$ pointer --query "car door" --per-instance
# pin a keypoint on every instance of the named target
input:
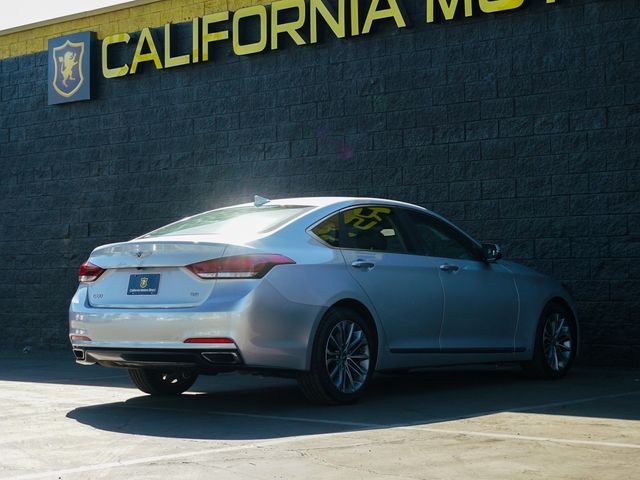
(404, 288)
(481, 299)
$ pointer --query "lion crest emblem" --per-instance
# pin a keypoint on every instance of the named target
(68, 58)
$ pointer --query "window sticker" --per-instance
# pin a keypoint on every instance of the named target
(365, 218)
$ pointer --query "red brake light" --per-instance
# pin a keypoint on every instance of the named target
(89, 272)
(241, 266)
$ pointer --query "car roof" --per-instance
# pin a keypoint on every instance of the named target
(338, 202)
(321, 206)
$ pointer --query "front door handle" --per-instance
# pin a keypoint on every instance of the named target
(449, 268)
(362, 264)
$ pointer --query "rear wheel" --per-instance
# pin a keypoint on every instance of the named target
(158, 382)
(342, 360)
(555, 347)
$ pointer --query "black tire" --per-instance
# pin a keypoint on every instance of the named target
(162, 383)
(556, 344)
(338, 376)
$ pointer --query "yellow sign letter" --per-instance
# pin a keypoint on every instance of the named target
(170, 61)
(289, 27)
(448, 9)
(392, 12)
(355, 18)
(261, 12)
(338, 27)
(490, 6)
(116, 71)
(215, 36)
(195, 40)
(152, 56)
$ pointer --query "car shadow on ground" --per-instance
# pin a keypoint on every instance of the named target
(235, 407)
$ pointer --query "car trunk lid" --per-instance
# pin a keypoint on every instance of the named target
(152, 274)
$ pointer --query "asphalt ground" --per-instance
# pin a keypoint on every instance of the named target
(64, 421)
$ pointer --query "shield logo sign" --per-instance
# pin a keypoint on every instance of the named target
(70, 68)
(144, 281)
(67, 77)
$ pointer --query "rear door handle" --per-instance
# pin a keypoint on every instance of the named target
(449, 268)
(362, 264)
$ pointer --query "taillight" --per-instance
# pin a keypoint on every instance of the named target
(241, 266)
(89, 272)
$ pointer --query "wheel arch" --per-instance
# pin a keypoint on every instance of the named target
(353, 304)
(361, 308)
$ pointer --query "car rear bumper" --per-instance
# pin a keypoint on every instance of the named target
(268, 330)
(212, 359)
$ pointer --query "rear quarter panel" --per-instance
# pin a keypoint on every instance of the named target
(318, 280)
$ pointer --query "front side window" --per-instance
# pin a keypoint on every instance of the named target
(233, 221)
(371, 228)
(440, 240)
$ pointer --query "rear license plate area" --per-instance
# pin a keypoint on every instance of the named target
(143, 284)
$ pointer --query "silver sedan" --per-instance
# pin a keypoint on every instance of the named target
(326, 290)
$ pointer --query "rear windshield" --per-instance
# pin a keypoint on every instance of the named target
(233, 221)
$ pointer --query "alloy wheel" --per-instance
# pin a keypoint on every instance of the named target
(557, 342)
(347, 356)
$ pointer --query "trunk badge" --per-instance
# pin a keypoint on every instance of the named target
(140, 254)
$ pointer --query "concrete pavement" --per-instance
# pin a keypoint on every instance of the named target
(63, 421)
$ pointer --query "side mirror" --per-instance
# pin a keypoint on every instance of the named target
(491, 252)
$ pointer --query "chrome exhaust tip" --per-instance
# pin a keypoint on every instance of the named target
(79, 354)
(222, 358)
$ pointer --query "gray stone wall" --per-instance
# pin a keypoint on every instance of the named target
(522, 127)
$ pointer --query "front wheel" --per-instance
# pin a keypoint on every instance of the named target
(161, 383)
(342, 360)
(556, 343)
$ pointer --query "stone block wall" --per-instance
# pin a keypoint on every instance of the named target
(522, 127)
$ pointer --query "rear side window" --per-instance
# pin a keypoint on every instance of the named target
(363, 228)
(233, 221)
(371, 228)
(329, 231)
